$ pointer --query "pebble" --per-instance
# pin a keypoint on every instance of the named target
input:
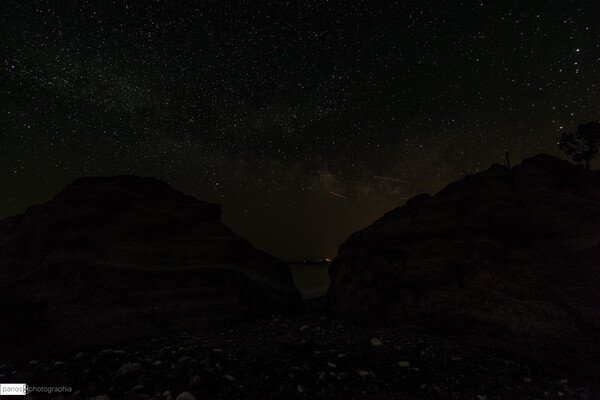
(185, 396)
(331, 365)
(229, 378)
(301, 388)
(363, 374)
(376, 342)
(128, 368)
(195, 381)
(304, 327)
(404, 364)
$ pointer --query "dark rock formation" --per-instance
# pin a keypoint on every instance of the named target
(114, 259)
(508, 258)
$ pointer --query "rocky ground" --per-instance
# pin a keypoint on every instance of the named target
(305, 356)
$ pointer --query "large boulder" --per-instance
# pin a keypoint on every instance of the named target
(507, 258)
(110, 260)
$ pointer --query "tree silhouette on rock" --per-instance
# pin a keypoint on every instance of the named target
(582, 145)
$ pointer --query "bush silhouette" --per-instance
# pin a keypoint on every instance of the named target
(582, 145)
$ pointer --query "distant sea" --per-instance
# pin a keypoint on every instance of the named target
(311, 279)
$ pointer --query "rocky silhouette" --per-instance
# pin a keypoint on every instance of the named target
(110, 260)
(507, 258)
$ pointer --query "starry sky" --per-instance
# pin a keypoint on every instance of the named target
(305, 120)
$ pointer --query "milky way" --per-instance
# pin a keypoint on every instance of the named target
(305, 120)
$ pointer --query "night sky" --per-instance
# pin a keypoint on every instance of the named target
(305, 120)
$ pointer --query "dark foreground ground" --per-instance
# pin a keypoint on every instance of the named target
(300, 357)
